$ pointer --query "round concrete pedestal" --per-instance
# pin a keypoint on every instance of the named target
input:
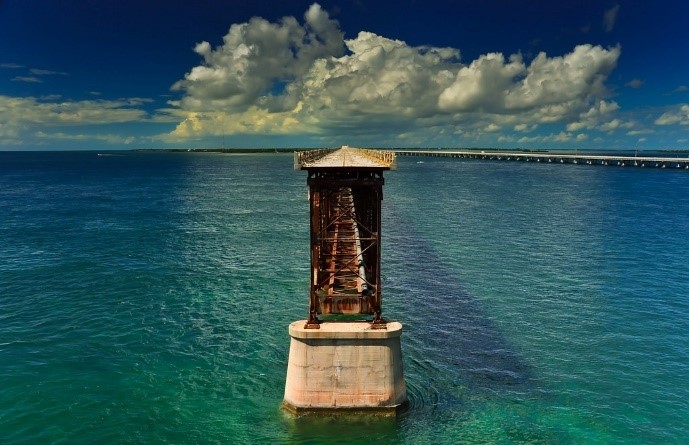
(345, 366)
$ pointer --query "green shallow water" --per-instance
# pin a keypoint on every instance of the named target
(145, 297)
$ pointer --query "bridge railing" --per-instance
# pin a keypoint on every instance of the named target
(383, 156)
(309, 156)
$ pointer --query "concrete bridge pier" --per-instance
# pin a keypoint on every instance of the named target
(345, 367)
(346, 357)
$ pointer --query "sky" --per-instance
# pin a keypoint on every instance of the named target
(122, 74)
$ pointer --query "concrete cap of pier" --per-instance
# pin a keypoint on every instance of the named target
(344, 330)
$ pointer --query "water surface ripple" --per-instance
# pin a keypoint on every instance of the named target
(145, 298)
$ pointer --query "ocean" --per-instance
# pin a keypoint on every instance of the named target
(145, 298)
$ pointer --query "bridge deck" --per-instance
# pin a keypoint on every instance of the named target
(345, 157)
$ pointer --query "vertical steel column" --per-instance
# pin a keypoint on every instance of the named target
(316, 247)
(378, 308)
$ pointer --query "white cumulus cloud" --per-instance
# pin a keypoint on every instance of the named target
(306, 78)
(19, 116)
(680, 115)
(599, 114)
(257, 57)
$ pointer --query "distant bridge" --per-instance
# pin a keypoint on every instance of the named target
(634, 161)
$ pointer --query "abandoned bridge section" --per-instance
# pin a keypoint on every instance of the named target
(345, 194)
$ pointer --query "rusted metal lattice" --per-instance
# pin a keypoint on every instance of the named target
(345, 195)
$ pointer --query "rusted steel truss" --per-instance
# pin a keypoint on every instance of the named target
(345, 243)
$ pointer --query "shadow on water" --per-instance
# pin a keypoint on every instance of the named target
(452, 347)
(455, 355)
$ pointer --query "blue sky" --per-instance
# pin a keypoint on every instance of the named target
(119, 74)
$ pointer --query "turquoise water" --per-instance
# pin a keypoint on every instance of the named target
(145, 297)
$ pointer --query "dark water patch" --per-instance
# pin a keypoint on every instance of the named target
(452, 337)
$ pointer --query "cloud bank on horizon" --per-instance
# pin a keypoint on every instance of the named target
(302, 80)
(287, 77)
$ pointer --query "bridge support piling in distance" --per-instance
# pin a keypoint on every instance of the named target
(579, 158)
